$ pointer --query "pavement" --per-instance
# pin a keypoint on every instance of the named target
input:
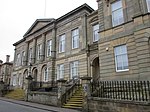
(38, 106)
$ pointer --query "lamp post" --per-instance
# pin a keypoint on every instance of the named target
(29, 77)
(29, 81)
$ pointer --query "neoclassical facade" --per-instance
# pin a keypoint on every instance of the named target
(111, 43)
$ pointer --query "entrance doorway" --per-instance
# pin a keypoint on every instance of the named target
(35, 74)
(95, 69)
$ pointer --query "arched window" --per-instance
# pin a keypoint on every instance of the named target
(45, 74)
(19, 80)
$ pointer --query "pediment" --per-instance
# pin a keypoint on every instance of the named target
(37, 25)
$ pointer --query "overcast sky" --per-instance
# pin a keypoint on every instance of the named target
(16, 17)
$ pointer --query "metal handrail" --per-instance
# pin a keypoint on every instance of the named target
(70, 91)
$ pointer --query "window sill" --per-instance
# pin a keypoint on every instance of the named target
(122, 70)
(95, 41)
(61, 52)
(75, 48)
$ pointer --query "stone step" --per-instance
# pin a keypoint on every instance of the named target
(72, 107)
(75, 105)
(74, 102)
(78, 96)
(74, 98)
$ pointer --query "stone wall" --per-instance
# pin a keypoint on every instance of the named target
(43, 98)
(108, 105)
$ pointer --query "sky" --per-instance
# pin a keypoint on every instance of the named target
(16, 17)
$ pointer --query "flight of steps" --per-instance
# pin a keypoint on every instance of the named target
(76, 101)
(17, 94)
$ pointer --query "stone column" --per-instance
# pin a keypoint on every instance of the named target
(61, 91)
(88, 60)
(84, 27)
(43, 47)
(86, 91)
(101, 14)
(53, 43)
(34, 50)
(14, 64)
(26, 54)
(137, 8)
(53, 55)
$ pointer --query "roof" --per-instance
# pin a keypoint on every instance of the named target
(7, 63)
(18, 42)
(46, 22)
(84, 6)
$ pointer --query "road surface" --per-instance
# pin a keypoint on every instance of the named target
(12, 107)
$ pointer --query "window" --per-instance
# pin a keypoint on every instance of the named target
(49, 47)
(121, 58)
(148, 5)
(60, 71)
(30, 55)
(19, 80)
(117, 13)
(18, 60)
(95, 32)
(75, 38)
(39, 51)
(62, 43)
(23, 57)
(74, 69)
(45, 74)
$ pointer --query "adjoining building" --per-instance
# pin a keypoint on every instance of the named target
(6, 70)
(124, 44)
(111, 43)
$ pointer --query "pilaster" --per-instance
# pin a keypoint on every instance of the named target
(34, 50)
(84, 27)
(43, 47)
(53, 54)
(26, 53)
(137, 8)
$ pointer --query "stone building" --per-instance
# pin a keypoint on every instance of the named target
(111, 43)
(6, 70)
(124, 45)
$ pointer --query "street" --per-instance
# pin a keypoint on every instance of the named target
(11, 107)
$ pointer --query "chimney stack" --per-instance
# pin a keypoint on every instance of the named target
(7, 58)
(1, 62)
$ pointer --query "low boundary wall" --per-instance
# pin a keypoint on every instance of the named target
(96, 104)
(48, 98)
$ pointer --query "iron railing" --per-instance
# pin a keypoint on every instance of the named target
(125, 90)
